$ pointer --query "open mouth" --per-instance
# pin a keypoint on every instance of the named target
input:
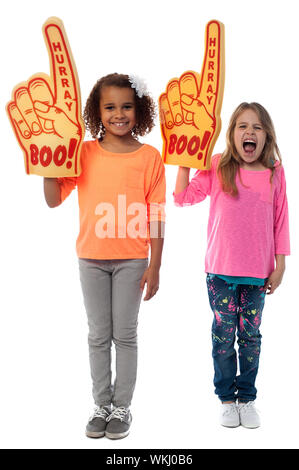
(249, 146)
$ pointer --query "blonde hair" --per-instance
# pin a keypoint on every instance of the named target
(229, 163)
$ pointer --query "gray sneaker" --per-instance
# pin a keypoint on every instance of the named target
(97, 422)
(118, 423)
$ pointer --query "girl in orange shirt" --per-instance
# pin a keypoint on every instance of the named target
(121, 177)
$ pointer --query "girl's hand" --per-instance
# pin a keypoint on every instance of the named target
(151, 278)
(273, 281)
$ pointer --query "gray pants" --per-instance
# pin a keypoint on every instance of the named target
(111, 292)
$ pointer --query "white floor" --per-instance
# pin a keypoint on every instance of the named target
(46, 388)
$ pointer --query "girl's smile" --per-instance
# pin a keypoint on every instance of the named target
(117, 110)
(249, 138)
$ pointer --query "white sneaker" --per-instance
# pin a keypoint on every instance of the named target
(249, 417)
(229, 416)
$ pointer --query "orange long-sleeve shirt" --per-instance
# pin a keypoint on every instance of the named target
(119, 194)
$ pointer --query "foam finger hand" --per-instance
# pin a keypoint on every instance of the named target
(190, 108)
(45, 111)
(196, 109)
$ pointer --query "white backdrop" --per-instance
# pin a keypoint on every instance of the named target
(45, 397)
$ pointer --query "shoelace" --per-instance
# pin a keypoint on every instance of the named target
(118, 413)
(230, 409)
(99, 412)
(247, 407)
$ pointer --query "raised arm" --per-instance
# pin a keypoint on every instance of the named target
(52, 192)
(182, 179)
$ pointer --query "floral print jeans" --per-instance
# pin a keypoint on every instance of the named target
(236, 307)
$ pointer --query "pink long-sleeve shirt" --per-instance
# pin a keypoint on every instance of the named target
(246, 232)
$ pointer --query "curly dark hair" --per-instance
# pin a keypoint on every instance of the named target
(145, 107)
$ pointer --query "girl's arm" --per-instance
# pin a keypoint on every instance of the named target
(275, 278)
(281, 237)
(151, 274)
(52, 192)
(58, 189)
(280, 263)
(182, 179)
(191, 192)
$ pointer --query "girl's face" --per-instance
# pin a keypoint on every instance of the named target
(117, 110)
(249, 137)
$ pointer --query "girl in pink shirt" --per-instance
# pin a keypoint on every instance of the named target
(248, 238)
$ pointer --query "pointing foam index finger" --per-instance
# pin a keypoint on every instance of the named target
(212, 73)
(63, 69)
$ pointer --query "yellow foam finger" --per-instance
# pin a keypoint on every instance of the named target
(173, 96)
(191, 144)
(212, 74)
(49, 108)
(165, 112)
(25, 106)
(20, 127)
(188, 87)
(63, 69)
(40, 91)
